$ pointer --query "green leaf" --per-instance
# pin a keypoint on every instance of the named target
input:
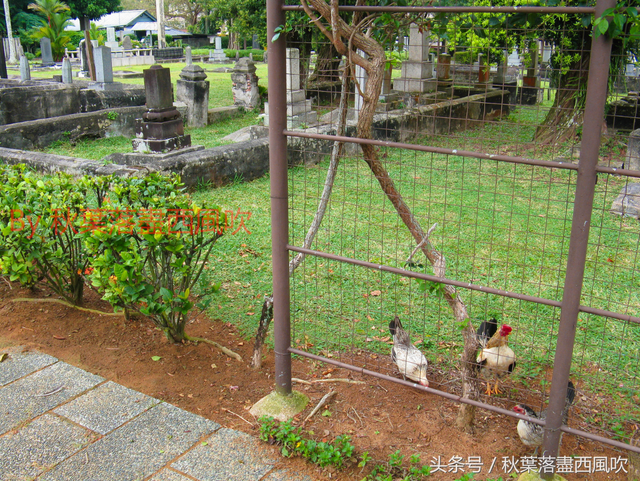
(155, 358)
(586, 20)
(326, 413)
(603, 26)
(120, 272)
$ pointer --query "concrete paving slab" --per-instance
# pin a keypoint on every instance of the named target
(40, 392)
(40, 445)
(106, 407)
(137, 449)
(19, 364)
(227, 455)
(168, 475)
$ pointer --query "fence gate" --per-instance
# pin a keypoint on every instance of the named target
(489, 188)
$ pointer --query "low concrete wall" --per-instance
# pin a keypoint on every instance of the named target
(21, 103)
(439, 118)
(38, 134)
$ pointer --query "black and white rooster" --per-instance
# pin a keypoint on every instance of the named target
(410, 361)
(532, 434)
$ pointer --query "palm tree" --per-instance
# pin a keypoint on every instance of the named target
(47, 8)
(57, 18)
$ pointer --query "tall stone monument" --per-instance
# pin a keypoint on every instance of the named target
(111, 42)
(161, 128)
(45, 51)
(218, 55)
(417, 71)
(299, 113)
(193, 90)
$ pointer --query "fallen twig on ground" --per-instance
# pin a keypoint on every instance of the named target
(323, 401)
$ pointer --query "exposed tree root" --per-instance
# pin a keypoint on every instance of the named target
(68, 304)
(226, 351)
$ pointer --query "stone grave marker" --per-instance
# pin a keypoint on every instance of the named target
(254, 42)
(126, 43)
(417, 71)
(161, 128)
(188, 56)
(67, 77)
(111, 42)
(193, 89)
(25, 72)
(299, 112)
(45, 50)
(84, 63)
(245, 84)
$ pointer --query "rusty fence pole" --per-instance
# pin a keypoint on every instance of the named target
(583, 206)
(276, 52)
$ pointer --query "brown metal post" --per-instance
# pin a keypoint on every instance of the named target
(279, 195)
(583, 206)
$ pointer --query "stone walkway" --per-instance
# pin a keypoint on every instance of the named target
(60, 423)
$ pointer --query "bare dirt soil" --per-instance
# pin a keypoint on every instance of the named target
(381, 417)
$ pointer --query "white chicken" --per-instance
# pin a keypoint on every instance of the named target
(410, 361)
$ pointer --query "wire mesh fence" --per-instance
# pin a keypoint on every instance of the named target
(480, 123)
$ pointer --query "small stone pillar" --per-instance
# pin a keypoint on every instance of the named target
(245, 84)
(193, 90)
(361, 79)
(25, 72)
(67, 76)
(161, 128)
(84, 63)
(45, 51)
(443, 68)
(188, 56)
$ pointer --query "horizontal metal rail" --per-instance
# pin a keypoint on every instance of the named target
(461, 153)
(418, 9)
(460, 399)
(463, 285)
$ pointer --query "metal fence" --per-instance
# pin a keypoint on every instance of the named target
(521, 204)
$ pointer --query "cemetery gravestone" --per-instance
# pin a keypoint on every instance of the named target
(45, 50)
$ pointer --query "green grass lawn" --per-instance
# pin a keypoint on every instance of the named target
(220, 94)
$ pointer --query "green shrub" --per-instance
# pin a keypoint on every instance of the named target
(141, 242)
(258, 55)
(150, 247)
(40, 223)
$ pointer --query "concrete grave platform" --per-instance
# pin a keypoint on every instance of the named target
(62, 423)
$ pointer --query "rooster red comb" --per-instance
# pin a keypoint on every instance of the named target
(505, 330)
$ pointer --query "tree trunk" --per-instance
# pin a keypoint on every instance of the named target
(89, 46)
(12, 45)
(326, 69)
(566, 114)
